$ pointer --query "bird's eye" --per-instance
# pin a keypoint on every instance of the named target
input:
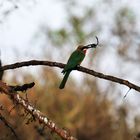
(84, 48)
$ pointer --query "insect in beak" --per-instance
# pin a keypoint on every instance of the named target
(92, 45)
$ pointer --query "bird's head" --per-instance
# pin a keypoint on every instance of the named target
(82, 48)
(85, 47)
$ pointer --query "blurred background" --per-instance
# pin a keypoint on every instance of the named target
(89, 108)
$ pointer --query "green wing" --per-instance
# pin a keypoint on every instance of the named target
(75, 59)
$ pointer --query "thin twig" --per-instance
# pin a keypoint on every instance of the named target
(8, 125)
(126, 93)
(79, 68)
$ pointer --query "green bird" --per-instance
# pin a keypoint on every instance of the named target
(74, 60)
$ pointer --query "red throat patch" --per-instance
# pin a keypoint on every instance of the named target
(85, 50)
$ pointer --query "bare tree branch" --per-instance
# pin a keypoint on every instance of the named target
(79, 68)
(34, 112)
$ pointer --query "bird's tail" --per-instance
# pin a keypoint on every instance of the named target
(62, 85)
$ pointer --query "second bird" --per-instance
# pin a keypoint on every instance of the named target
(74, 60)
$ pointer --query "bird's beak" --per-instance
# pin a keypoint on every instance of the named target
(92, 45)
(86, 47)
